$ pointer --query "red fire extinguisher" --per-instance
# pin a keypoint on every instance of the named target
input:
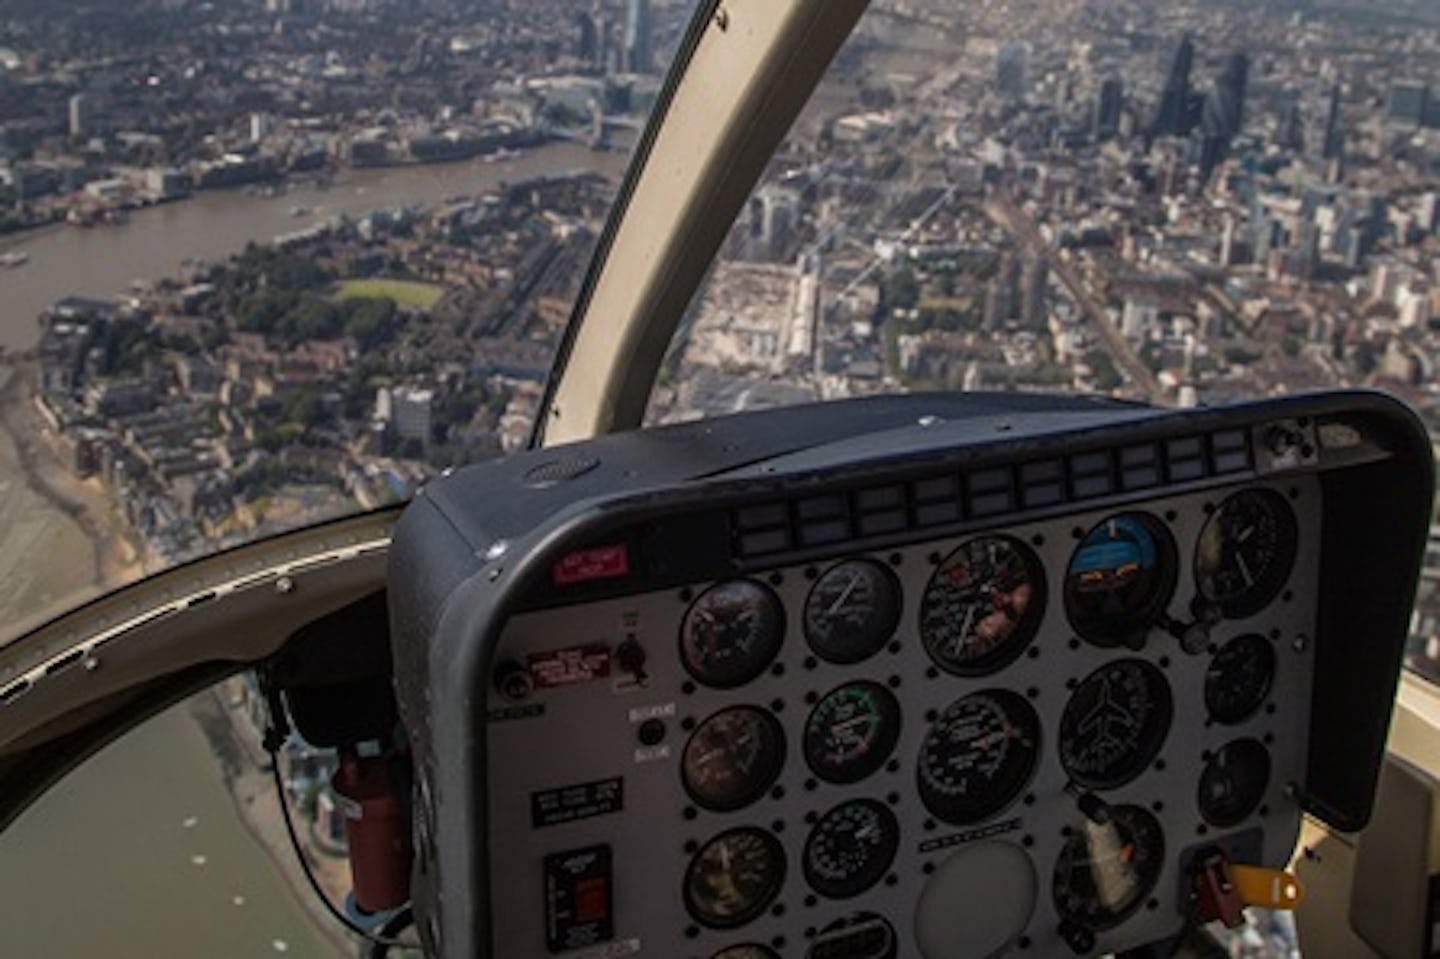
(376, 829)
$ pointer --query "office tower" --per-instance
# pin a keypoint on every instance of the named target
(82, 115)
(586, 37)
(1291, 134)
(1010, 71)
(1229, 93)
(1034, 307)
(637, 36)
(1173, 115)
(1109, 101)
(1332, 147)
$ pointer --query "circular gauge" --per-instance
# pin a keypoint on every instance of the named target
(1120, 579)
(1105, 871)
(1234, 782)
(748, 951)
(734, 877)
(852, 611)
(732, 758)
(978, 756)
(851, 732)
(850, 848)
(983, 605)
(731, 633)
(1239, 678)
(1115, 723)
(1246, 551)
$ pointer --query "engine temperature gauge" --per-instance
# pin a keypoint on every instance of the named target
(851, 732)
(850, 848)
(731, 633)
(852, 611)
(734, 877)
(732, 758)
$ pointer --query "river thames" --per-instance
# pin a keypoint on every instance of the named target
(141, 853)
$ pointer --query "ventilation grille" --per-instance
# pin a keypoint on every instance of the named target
(809, 522)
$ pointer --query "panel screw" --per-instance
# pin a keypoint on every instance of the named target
(1300, 643)
(90, 663)
(722, 19)
(284, 586)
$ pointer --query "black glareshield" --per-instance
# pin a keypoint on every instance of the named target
(1171, 583)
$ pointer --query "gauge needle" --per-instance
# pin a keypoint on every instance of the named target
(1244, 569)
(844, 594)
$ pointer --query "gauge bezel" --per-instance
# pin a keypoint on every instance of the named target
(891, 717)
(854, 885)
(1263, 592)
(1026, 629)
(1149, 742)
(1272, 662)
(1136, 623)
(764, 596)
(1248, 749)
(1104, 918)
(775, 760)
(774, 849)
(892, 591)
(746, 950)
(1017, 710)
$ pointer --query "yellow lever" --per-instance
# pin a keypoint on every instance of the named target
(1266, 888)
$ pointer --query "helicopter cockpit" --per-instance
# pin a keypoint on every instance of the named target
(926, 676)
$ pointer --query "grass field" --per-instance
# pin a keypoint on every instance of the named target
(407, 294)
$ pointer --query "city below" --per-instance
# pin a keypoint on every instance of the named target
(1179, 203)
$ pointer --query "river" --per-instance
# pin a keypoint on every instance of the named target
(140, 852)
(105, 260)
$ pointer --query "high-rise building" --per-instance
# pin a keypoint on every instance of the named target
(1291, 133)
(82, 115)
(1224, 113)
(637, 36)
(1173, 115)
(1109, 102)
(586, 37)
(1407, 103)
(1010, 71)
(1034, 306)
(1332, 147)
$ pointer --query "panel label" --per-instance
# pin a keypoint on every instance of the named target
(585, 565)
(567, 667)
(573, 803)
(960, 838)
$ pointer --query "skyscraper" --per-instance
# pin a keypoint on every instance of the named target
(1010, 71)
(1224, 113)
(1173, 113)
(1034, 306)
(1109, 101)
(1332, 147)
(82, 115)
(637, 36)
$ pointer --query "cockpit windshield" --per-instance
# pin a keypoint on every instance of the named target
(265, 264)
(269, 263)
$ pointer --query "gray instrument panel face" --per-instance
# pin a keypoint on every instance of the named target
(593, 829)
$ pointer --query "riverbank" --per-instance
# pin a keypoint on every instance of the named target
(244, 766)
(115, 557)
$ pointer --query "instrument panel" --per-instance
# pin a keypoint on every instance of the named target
(1012, 738)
